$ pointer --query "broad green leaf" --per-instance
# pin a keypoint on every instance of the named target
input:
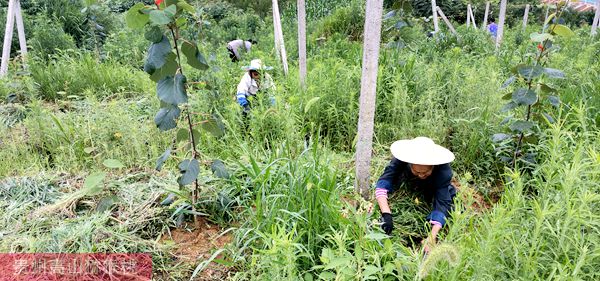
(219, 170)
(161, 160)
(183, 135)
(521, 126)
(214, 126)
(509, 106)
(548, 117)
(196, 135)
(89, 150)
(507, 96)
(134, 18)
(113, 164)
(376, 236)
(540, 37)
(91, 185)
(181, 22)
(154, 34)
(550, 17)
(326, 275)
(400, 25)
(167, 116)
(194, 58)
(338, 262)
(186, 7)
(171, 2)
(106, 203)
(530, 72)
(508, 81)
(310, 103)
(554, 73)
(547, 89)
(157, 55)
(308, 277)
(189, 170)
(370, 270)
(158, 17)
(554, 101)
(395, 45)
(169, 68)
(561, 30)
(389, 14)
(524, 96)
(170, 11)
(171, 89)
(500, 137)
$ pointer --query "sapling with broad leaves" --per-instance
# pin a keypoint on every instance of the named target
(161, 24)
(533, 93)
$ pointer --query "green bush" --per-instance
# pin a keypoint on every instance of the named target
(127, 47)
(72, 76)
(347, 21)
(49, 39)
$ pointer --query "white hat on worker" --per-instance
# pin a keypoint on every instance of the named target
(422, 151)
(256, 64)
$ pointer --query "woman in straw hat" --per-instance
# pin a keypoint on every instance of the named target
(252, 82)
(425, 165)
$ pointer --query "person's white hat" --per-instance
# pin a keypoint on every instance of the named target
(422, 151)
(256, 64)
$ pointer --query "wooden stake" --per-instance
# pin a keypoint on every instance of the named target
(13, 13)
(596, 21)
(468, 16)
(501, 23)
(436, 26)
(302, 42)
(485, 16)
(368, 88)
(446, 20)
(279, 33)
(472, 16)
(525, 16)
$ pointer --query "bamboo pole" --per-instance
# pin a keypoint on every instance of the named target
(302, 42)
(596, 19)
(485, 16)
(8, 35)
(368, 88)
(468, 16)
(472, 16)
(501, 23)
(279, 33)
(436, 26)
(446, 20)
(525, 16)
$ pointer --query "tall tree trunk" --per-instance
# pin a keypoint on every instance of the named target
(485, 16)
(501, 23)
(279, 36)
(436, 26)
(368, 88)
(302, 42)
(596, 19)
(525, 16)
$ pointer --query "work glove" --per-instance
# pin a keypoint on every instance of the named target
(387, 223)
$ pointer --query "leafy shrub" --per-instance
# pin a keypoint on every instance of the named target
(347, 21)
(66, 76)
(126, 47)
(120, 6)
(49, 38)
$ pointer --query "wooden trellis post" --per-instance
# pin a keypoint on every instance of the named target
(279, 43)
(470, 11)
(501, 23)
(525, 16)
(596, 19)
(485, 16)
(436, 26)
(13, 14)
(446, 20)
(302, 42)
(368, 88)
(468, 16)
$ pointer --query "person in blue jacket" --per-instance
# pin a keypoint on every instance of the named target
(421, 163)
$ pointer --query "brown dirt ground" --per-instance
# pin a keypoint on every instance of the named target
(479, 204)
(195, 246)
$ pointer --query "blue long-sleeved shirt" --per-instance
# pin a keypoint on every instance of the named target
(437, 185)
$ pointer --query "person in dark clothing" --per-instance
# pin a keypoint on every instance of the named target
(421, 163)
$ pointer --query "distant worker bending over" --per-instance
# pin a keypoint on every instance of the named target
(235, 48)
(254, 80)
(425, 165)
